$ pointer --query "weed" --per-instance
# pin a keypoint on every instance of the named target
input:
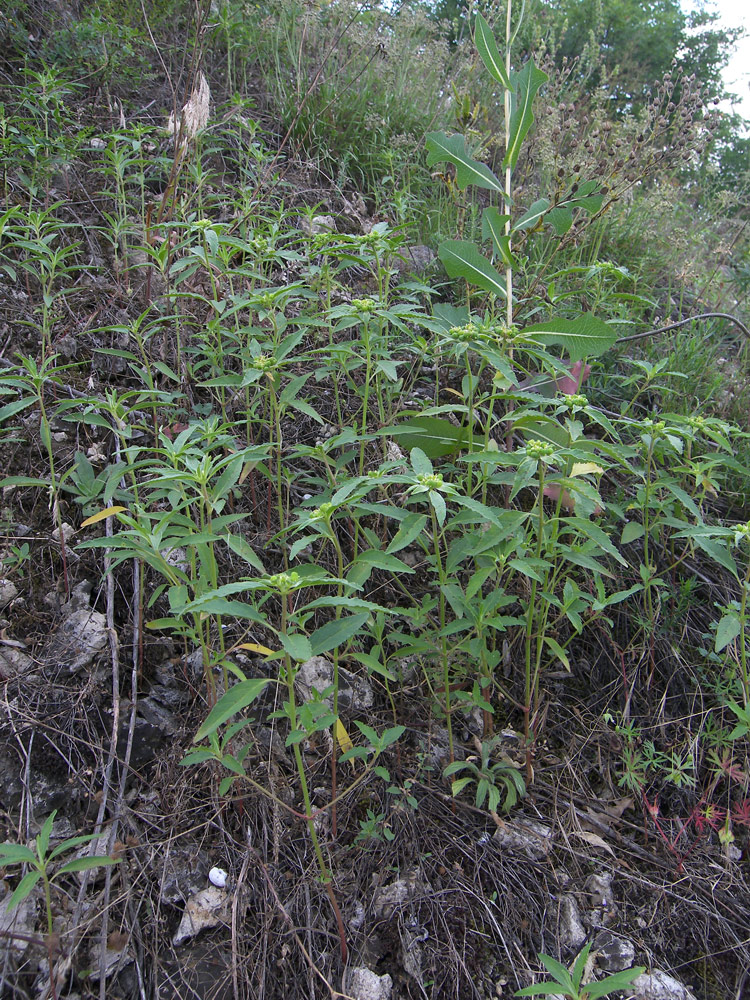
(569, 983)
(40, 860)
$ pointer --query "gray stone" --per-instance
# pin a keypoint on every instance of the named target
(21, 919)
(412, 952)
(78, 639)
(603, 907)
(415, 259)
(182, 872)
(208, 908)
(657, 985)
(317, 673)
(524, 836)
(363, 984)
(8, 590)
(318, 224)
(14, 663)
(387, 897)
(614, 953)
(571, 930)
(156, 714)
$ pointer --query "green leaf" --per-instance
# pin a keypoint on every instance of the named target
(222, 606)
(558, 651)
(23, 888)
(493, 227)
(390, 736)
(11, 409)
(368, 732)
(234, 700)
(458, 785)
(23, 481)
(618, 981)
(436, 436)
(410, 528)
(544, 989)
(438, 505)
(560, 218)
(16, 854)
(197, 757)
(83, 864)
(584, 336)
(42, 840)
(442, 148)
(487, 49)
(245, 551)
(532, 215)
(632, 531)
(542, 429)
(727, 631)
(526, 83)
(420, 462)
(337, 632)
(71, 842)
(297, 645)
(558, 970)
(374, 666)
(718, 551)
(461, 259)
(382, 560)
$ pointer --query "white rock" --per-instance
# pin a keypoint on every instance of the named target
(614, 953)
(77, 640)
(364, 984)
(211, 907)
(67, 532)
(601, 895)
(386, 897)
(525, 837)
(357, 918)
(659, 985)
(317, 673)
(8, 590)
(21, 918)
(114, 959)
(14, 662)
(572, 932)
(323, 224)
(218, 877)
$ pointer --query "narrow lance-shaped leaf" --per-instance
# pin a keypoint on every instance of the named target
(487, 49)
(442, 148)
(461, 259)
(493, 226)
(337, 632)
(235, 699)
(584, 336)
(84, 864)
(526, 84)
(23, 888)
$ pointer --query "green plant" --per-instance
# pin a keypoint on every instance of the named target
(40, 859)
(16, 559)
(494, 780)
(569, 982)
(44, 256)
(32, 381)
